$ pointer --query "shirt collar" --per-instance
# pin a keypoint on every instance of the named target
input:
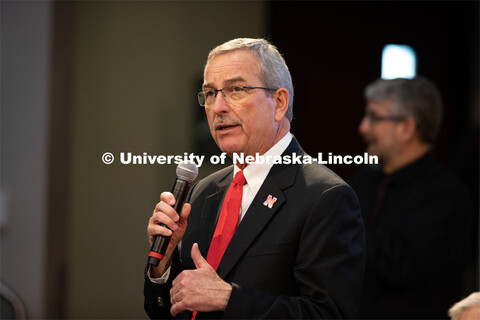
(256, 173)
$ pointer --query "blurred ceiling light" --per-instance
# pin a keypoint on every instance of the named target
(398, 61)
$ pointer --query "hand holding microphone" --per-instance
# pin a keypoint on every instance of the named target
(165, 218)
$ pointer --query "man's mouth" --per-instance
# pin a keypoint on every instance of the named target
(225, 126)
(368, 140)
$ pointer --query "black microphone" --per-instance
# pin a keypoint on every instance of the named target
(186, 173)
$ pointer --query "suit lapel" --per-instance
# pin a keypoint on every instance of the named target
(256, 218)
(259, 213)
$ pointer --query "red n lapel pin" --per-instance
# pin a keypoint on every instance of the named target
(270, 201)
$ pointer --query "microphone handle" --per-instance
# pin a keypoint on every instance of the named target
(160, 243)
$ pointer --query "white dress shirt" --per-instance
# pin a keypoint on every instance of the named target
(256, 173)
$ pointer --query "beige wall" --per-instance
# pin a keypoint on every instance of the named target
(24, 131)
(136, 70)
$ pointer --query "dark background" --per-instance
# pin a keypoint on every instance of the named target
(333, 50)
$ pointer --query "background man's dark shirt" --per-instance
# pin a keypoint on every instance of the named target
(418, 240)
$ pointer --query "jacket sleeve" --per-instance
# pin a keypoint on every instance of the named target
(157, 296)
(328, 268)
(157, 300)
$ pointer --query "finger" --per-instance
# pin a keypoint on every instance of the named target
(154, 230)
(167, 209)
(159, 219)
(174, 289)
(176, 309)
(168, 198)
(175, 299)
(179, 307)
(197, 258)
(169, 212)
(161, 224)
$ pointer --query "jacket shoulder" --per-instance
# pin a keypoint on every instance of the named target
(211, 182)
(318, 175)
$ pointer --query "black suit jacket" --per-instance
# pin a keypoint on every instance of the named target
(302, 258)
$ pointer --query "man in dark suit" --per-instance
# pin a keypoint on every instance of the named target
(298, 248)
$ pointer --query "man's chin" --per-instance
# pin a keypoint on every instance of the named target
(371, 150)
(229, 148)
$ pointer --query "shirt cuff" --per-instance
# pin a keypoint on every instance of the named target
(163, 279)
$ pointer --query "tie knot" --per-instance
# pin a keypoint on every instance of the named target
(239, 178)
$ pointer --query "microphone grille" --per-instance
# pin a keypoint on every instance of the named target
(187, 171)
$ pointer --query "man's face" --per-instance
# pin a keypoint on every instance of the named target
(246, 126)
(382, 136)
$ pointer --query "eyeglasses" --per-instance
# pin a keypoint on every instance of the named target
(373, 118)
(206, 97)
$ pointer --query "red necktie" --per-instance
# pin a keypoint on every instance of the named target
(227, 222)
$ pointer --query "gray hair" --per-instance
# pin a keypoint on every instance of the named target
(274, 72)
(418, 98)
(458, 308)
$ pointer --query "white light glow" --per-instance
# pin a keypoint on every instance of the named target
(398, 61)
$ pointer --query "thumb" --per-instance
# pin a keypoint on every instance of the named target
(197, 258)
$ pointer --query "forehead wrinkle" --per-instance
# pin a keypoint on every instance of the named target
(225, 82)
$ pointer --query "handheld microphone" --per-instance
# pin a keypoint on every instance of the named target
(186, 173)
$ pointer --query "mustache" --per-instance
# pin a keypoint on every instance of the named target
(222, 120)
(367, 139)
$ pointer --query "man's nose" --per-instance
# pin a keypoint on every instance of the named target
(220, 105)
(364, 126)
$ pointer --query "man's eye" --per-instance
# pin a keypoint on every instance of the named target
(209, 93)
(237, 89)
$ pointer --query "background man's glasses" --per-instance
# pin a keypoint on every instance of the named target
(206, 97)
(373, 119)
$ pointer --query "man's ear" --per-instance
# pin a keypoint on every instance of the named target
(408, 129)
(281, 99)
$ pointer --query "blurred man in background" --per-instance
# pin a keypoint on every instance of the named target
(416, 213)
